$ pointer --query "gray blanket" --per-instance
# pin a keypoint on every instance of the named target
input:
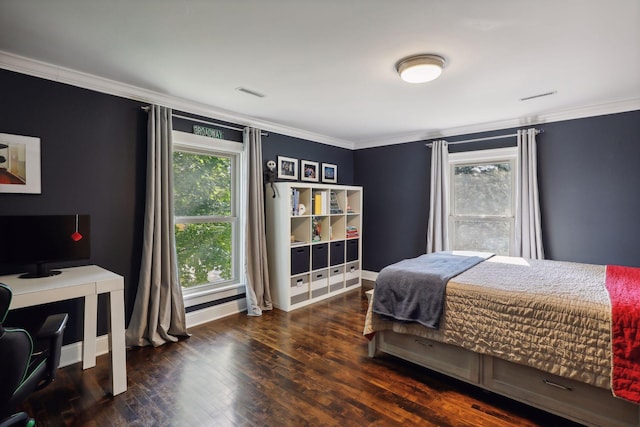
(413, 289)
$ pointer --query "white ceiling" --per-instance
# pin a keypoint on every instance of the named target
(327, 66)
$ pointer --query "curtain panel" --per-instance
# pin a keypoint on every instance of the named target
(438, 228)
(158, 314)
(257, 270)
(528, 239)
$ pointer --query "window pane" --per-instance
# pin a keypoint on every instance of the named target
(478, 235)
(204, 252)
(482, 189)
(202, 184)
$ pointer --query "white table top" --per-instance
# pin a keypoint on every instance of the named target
(73, 282)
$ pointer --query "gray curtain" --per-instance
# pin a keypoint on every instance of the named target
(438, 229)
(158, 314)
(258, 294)
(528, 226)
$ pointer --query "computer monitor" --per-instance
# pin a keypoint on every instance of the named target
(34, 241)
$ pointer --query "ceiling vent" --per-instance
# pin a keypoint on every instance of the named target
(250, 92)
(540, 95)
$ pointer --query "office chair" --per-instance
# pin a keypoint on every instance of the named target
(26, 364)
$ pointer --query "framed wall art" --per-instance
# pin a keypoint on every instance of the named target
(19, 164)
(309, 170)
(287, 168)
(329, 173)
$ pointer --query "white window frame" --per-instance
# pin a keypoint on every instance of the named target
(188, 142)
(496, 155)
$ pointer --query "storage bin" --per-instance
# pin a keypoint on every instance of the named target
(299, 289)
(336, 278)
(336, 252)
(319, 256)
(299, 260)
(352, 250)
(352, 271)
(319, 283)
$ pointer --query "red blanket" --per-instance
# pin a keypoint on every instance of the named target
(623, 284)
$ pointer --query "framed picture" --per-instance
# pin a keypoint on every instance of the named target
(309, 170)
(19, 164)
(329, 173)
(287, 168)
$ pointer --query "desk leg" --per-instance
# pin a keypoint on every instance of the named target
(90, 331)
(117, 342)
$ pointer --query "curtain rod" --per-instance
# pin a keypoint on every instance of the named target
(193, 119)
(487, 138)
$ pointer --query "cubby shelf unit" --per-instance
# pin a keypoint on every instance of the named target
(314, 250)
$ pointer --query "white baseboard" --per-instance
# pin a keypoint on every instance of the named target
(369, 275)
(216, 312)
(72, 353)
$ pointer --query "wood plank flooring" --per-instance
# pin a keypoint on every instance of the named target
(304, 368)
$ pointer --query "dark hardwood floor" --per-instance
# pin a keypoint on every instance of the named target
(304, 368)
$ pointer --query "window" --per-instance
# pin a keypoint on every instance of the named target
(482, 200)
(208, 192)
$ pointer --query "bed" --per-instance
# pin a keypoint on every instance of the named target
(537, 331)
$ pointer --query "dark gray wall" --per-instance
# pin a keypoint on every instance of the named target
(589, 189)
(588, 183)
(93, 162)
(276, 145)
(93, 154)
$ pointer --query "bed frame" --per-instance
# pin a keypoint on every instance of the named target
(570, 399)
(574, 400)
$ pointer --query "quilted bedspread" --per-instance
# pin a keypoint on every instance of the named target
(553, 316)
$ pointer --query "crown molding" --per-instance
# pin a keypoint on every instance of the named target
(614, 107)
(32, 67)
(55, 73)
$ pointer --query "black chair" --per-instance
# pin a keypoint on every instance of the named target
(27, 364)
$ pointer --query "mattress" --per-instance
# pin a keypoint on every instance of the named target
(550, 315)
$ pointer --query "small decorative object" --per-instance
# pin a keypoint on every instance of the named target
(76, 236)
(208, 132)
(334, 205)
(19, 164)
(301, 209)
(271, 175)
(329, 173)
(316, 230)
(287, 168)
(309, 170)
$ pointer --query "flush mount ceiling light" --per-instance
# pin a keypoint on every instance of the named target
(420, 68)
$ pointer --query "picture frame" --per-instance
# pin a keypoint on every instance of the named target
(19, 164)
(287, 168)
(309, 171)
(329, 173)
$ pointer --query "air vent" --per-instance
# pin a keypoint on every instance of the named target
(539, 95)
(250, 92)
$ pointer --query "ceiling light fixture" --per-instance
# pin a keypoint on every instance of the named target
(420, 68)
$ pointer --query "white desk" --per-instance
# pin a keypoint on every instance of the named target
(82, 282)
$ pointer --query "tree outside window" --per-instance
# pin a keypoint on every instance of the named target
(482, 200)
(205, 219)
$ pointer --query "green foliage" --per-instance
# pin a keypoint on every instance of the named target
(202, 187)
(202, 184)
(203, 250)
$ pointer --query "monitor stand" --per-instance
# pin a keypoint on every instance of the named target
(41, 271)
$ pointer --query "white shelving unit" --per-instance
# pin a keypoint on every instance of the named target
(315, 252)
